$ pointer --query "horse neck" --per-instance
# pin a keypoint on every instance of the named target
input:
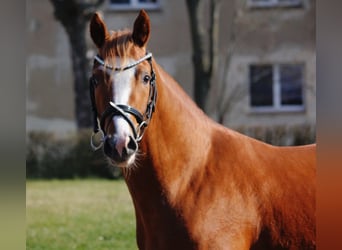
(175, 142)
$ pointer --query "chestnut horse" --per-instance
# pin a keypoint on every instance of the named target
(194, 183)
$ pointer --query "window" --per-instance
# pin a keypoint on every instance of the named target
(276, 87)
(275, 3)
(134, 4)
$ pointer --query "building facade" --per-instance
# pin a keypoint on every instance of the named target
(266, 64)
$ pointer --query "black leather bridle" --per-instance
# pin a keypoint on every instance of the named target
(122, 110)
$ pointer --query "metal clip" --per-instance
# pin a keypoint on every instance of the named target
(141, 130)
(96, 144)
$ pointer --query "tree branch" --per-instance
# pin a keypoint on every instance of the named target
(236, 94)
(86, 5)
(226, 65)
(193, 7)
(213, 33)
(67, 10)
(89, 8)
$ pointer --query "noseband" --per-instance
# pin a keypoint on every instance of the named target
(122, 110)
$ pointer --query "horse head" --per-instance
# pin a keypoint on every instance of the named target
(122, 87)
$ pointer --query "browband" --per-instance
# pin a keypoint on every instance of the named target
(100, 61)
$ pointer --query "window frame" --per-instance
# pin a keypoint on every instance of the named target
(274, 3)
(276, 94)
(133, 5)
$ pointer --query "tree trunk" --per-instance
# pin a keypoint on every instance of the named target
(204, 59)
(200, 84)
(74, 16)
(201, 88)
(80, 65)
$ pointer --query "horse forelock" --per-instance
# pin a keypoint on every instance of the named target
(119, 46)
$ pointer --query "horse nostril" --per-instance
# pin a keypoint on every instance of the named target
(130, 148)
(118, 150)
(108, 146)
(132, 144)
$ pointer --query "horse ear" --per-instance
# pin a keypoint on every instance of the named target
(141, 30)
(98, 30)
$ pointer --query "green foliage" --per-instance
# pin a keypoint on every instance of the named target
(79, 214)
(50, 157)
(71, 157)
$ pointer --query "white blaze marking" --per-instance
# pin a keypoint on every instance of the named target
(121, 83)
(122, 87)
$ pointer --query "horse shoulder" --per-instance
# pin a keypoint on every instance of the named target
(276, 186)
(219, 208)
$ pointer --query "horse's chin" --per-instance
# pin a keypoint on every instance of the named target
(123, 164)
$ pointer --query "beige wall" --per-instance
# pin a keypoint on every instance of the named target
(261, 35)
(49, 80)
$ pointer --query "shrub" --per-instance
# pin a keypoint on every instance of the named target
(282, 135)
(50, 157)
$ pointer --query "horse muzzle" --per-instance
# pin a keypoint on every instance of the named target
(120, 149)
(121, 145)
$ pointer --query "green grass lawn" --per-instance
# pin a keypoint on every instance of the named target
(79, 214)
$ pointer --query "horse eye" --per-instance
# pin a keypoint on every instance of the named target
(146, 79)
